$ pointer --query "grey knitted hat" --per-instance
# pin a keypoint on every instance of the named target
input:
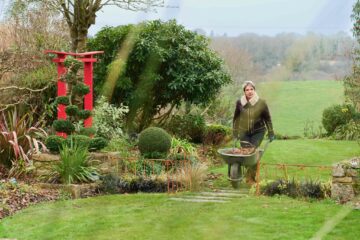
(248, 83)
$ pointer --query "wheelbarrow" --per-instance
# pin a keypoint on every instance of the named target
(237, 162)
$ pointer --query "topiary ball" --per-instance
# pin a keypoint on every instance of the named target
(84, 114)
(72, 110)
(53, 143)
(62, 125)
(154, 139)
(62, 100)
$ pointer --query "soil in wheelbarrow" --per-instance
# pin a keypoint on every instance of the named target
(241, 151)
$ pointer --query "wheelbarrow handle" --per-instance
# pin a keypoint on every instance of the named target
(248, 143)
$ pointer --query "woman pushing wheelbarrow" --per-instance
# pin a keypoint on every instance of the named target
(251, 120)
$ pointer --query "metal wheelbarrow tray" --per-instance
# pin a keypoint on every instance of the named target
(237, 162)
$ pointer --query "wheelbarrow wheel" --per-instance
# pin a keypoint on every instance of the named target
(234, 175)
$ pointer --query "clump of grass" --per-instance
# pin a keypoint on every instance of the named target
(192, 176)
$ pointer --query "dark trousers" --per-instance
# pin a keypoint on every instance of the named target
(255, 139)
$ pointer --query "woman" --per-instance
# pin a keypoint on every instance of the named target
(251, 119)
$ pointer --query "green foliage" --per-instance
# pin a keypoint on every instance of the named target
(190, 126)
(87, 131)
(73, 166)
(216, 134)
(81, 89)
(166, 65)
(63, 126)
(72, 64)
(80, 141)
(348, 131)
(294, 189)
(114, 184)
(352, 82)
(312, 132)
(108, 119)
(54, 143)
(62, 100)
(121, 145)
(72, 110)
(97, 143)
(182, 146)
(154, 140)
(84, 114)
(337, 115)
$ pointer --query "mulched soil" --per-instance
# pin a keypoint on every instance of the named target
(15, 196)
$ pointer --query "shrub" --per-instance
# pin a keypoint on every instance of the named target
(63, 126)
(154, 140)
(19, 138)
(84, 114)
(348, 131)
(72, 110)
(337, 115)
(79, 140)
(87, 131)
(54, 143)
(122, 146)
(216, 134)
(73, 166)
(190, 126)
(97, 143)
(114, 184)
(62, 100)
(81, 89)
(294, 189)
(108, 119)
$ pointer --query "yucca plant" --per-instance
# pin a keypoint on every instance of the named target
(19, 138)
(73, 166)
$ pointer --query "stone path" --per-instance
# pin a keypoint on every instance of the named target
(216, 196)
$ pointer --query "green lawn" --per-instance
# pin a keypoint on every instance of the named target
(293, 103)
(154, 216)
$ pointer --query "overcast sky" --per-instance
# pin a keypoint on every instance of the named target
(233, 17)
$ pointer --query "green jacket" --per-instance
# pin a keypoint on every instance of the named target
(251, 117)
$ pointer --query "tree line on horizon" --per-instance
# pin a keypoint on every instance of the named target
(286, 56)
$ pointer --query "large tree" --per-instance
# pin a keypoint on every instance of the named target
(165, 65)
(352, 82)
(81, 14)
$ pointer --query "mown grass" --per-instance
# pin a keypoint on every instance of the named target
(294, 103)
(152, 216)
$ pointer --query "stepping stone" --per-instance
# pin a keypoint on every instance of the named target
(208, 197)
(197, 200)
(224, 194)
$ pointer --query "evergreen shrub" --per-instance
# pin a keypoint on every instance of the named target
(337, 115)
(216, 134)
(97, 143)
(54, 143)
(72, 110)
(154, 140)
(190, 127)
(63, 126)
(63, 100)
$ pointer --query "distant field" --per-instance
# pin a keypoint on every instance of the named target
(293, 103)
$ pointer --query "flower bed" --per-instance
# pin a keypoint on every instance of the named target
(16, 196)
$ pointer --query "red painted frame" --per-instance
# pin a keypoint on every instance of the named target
(88, 60)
